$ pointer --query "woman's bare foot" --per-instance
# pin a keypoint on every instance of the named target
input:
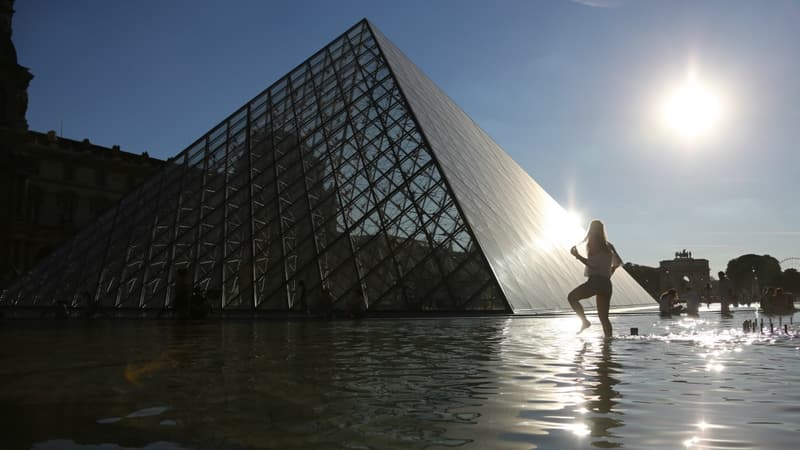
(586, 324)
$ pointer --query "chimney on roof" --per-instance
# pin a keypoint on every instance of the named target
(115, 148)
(51, 136)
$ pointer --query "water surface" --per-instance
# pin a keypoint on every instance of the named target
(472, 383)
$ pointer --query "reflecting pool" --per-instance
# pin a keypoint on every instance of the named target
(473, 383)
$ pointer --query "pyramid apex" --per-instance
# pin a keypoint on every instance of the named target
(368, 23)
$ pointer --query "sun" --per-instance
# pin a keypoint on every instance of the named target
(560, 229)
(692, 110)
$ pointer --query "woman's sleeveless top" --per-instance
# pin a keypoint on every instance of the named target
(600, 265)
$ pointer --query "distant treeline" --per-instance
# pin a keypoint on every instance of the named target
(765, 270)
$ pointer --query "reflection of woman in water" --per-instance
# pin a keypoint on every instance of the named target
(601, 261)
(603, 413)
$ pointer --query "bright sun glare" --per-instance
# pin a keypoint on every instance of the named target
(561, 229)
(692, 110)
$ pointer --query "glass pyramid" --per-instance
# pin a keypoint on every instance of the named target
(352, 180)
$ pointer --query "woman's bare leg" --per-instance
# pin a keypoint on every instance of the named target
(574, 298)
(603, 305)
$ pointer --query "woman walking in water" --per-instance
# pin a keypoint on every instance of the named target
(601, 261)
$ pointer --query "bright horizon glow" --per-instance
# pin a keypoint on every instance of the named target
(692, 110)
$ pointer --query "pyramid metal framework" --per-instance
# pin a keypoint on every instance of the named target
(352, 178)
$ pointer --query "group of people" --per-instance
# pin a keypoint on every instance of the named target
(63, 309)
(773, 300)
(777, 301)
(669, 302)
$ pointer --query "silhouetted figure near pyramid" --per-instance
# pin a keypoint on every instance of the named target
(601, 262)
(692, 299)
(301, 296)
(199, 306)
(92, 307)
(183, 290)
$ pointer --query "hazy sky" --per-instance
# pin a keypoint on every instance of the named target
(571, 89)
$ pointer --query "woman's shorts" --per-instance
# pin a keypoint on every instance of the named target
(598, 286)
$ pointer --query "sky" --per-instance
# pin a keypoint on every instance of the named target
(573, 90)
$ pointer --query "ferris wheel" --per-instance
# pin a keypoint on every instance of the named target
(791, 263)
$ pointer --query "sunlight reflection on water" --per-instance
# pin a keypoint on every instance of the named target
(501, 383)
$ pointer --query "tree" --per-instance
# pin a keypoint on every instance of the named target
(790, 280)
(766, 269)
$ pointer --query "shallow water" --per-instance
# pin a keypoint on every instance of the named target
(474, 383)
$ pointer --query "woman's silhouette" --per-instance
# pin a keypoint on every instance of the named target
(601, 261)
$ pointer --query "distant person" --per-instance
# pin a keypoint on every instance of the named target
(734, 297)
(777, 299)
(725, 294)
(767, 298)
(601, 261)
(358, 308)
(708, 295)
(754, 290)
(327, 303)
(199, 307)
(783, 301)
(665, 301)
(789, 298)
(92, 307)
(183, 292)
(302, 301)
(668, 303)
(61, 309)
(692, 301)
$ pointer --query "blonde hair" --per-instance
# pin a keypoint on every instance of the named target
(596, 240)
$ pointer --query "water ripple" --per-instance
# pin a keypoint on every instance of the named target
(504, 383)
